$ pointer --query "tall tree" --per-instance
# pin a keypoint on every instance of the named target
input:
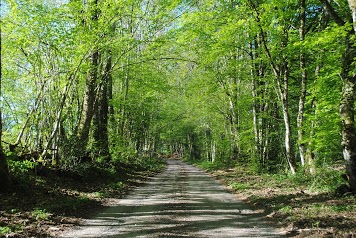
(347, 102)
(4, 172)
(88, 108)
(281, 73)
(303, 87)
(101, 114)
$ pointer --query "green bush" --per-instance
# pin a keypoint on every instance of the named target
(326, 180)
(151, 164)
(40, 214)
(20, 168)
(4, 230)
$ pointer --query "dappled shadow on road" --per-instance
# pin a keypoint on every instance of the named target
(181, 202)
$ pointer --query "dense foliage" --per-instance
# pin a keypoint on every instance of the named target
(261, 82)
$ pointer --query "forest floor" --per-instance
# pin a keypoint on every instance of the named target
(293, 205)
(52, 200)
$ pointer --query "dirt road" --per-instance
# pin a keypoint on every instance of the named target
(182, 201)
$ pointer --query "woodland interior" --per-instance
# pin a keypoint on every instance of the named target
(103, 87)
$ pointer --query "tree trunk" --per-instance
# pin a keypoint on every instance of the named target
(89, 97)
(309, 153)
(303, 90)
(4, 171)
(33, 110)
(254, 73)
(286, 119)
(57, 122)
(347, 112)
(100, 127)
(255, 119)
(88, 100)
(281, 73)
(352, 5)
(346, 109)
(348, 130)
(347, 104)
(125, 90)
(234, 129)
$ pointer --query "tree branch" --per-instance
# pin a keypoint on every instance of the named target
(333, 13)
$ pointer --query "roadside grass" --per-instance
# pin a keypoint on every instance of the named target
(45, 201)
(301, 205)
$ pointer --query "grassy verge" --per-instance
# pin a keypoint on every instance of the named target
(303, 206)
(46, 201)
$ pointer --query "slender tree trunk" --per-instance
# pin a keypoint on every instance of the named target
(309, 153)
(213, 151)
(255, 100)
(57, 122)
(34, 109)
(233, 129)
(284, 92)
(258, 106)
(4, 171)
(286, 119)
(125, 90)
(110, 97)
(254, 118)
(302, 97)
(281, 73)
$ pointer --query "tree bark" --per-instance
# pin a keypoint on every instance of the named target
(347, 102)
(4, 170)
(347, 112)
(88, 100)
(89, 97)
(100, 127)
(352, 5)
(309, 153)
(285, 107)
(255, 119)
(303, 91)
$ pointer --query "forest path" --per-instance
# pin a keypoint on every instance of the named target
(182, 201)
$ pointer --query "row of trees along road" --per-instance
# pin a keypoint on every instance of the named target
(267, 83)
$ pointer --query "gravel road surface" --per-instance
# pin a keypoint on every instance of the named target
(182, 201)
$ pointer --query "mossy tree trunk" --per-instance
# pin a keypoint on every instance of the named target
(347, 103)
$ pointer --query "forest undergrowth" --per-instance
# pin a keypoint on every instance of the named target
(301, 205)
(44, 201)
